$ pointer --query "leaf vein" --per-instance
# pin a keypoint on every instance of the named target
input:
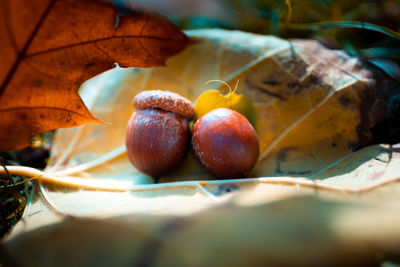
(99, 40)
(43, 107)
(22, 54)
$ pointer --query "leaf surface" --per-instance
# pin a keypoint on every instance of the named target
(296, 130)
(213, 99)
(312, 110)
(305, 190)
(49, 48)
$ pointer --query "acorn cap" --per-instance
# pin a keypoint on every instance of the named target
(164, 100)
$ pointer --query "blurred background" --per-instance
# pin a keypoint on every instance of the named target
(369, 29)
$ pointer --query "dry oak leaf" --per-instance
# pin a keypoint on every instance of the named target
(50, 47)
(353, 210)
(93, 156)
(314, 106)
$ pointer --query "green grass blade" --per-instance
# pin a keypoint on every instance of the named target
(343, 24)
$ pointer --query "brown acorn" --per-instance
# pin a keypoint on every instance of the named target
(225, 143)
(157, 137)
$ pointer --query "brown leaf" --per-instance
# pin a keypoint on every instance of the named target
(51, 47)
(312, 110)
(102, 165)
(345, 209)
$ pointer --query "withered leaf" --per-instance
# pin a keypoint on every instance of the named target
(213, 99)
(346, 205)
(48, 48)
(326, 105)
(314, 106)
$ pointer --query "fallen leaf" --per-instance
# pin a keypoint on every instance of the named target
(213, 99)
(312, 110)
(77, 159)
(346, 205)
(49, 48)
(301, 231)
(297, 129)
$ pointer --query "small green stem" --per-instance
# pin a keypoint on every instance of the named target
(342, 24)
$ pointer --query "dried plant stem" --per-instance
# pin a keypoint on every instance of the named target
(120, 186)
(91, 184)
(226, 84)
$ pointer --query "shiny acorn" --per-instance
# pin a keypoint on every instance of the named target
(157, 137)
(225, 143)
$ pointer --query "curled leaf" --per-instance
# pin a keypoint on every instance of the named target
(213, 99)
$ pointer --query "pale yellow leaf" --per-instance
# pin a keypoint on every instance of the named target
(314, 108)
